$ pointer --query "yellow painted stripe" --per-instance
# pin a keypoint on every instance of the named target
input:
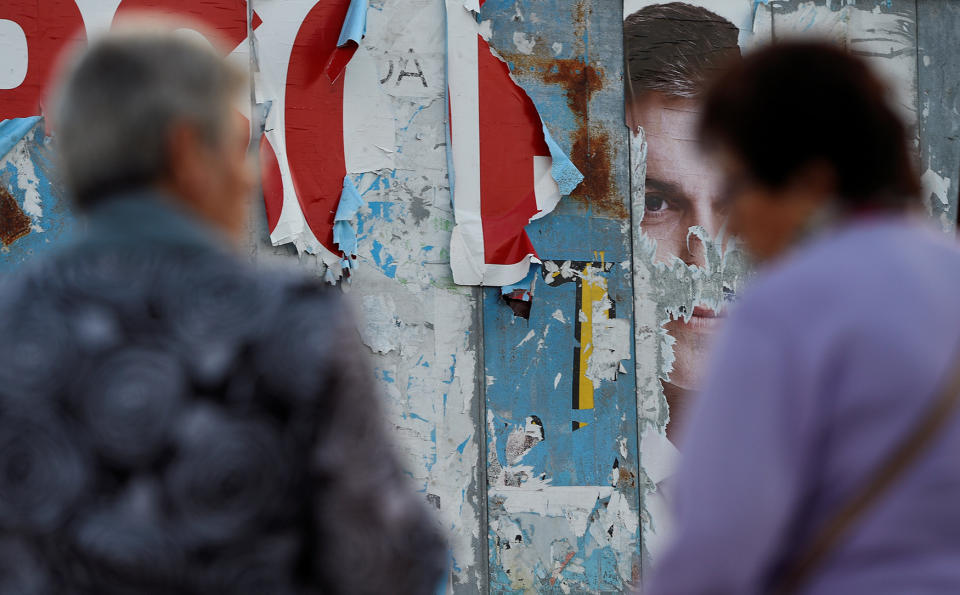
(591, 293)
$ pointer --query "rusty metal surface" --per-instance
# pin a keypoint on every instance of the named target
(578, 76)
(14, 223)
(562, 465)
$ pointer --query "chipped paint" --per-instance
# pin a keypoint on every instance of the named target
(556, 497)
(590, 151)
(938, 85)
(936, 186)
(36, 216)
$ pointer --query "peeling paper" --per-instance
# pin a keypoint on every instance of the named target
(604, 340)
(425, 366)
(611, 345)
(883, 38)
(519, 296)
(524, 42)
(558, 528)
(506, 169)
(545, 534)
(354, 28)
(343, 232)
(564, 172)
(522, 440)
(13, 130)
(666, 291)
(936, 185)
(306, 176)
(369, 126)
(382, 330)
(410, 50)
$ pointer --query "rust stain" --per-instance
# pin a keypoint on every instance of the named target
(14, 223)
(591, 151)
(582, 9)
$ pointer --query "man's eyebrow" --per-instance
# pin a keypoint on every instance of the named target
(670, 188)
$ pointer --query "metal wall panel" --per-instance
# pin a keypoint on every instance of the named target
(561, 443)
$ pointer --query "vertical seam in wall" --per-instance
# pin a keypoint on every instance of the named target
(919, 91)
(773, 25)
(257, 213)
(639, 500)
(483, 487)
(251, 81)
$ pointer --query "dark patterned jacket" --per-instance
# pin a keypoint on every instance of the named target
(174, 421)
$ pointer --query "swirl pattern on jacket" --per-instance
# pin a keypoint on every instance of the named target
(175, 421)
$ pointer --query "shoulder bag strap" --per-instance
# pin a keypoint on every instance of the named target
(906, 452)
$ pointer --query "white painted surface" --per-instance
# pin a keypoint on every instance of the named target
(13, 48)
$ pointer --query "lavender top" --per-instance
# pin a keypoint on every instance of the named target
(828, 360)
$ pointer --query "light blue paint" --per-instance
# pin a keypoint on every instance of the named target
(355, 24)
(453, 370)
(415, 113)
(385, 262)
(463, 444)
(525, 284)
(12, 132)
(343, 233)
(523, 375)
(381, 209)
(380, 183)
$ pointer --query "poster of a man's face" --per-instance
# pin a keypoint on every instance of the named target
(671, 52)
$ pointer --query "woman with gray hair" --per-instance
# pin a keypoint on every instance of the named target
(172, 420)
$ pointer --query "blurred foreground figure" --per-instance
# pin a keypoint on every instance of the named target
(843, 343)
(172, 421)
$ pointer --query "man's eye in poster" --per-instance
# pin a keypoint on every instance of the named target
(672, 51)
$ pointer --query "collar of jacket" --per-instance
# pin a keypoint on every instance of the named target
(144, 218)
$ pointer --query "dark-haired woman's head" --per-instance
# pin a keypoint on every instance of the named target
(802, 128)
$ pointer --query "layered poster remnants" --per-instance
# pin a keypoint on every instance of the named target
(506, 169)
(326, 120)
(687, 270)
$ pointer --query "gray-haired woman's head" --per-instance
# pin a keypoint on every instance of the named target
(122, 98)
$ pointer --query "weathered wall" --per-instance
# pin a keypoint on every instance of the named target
(563, 489)
(528, 437)
(423, 332)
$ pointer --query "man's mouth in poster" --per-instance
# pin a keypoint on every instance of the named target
(705, 318)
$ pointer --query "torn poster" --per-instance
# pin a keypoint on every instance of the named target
(34, 34)
(353, 30)
(315, 112)
(505, 169)
(35, 213)
(519, 296)
(344, 235)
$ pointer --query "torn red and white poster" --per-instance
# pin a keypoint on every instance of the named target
(505, 169)
(324, 93)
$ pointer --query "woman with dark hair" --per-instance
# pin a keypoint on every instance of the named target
(822, 455)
